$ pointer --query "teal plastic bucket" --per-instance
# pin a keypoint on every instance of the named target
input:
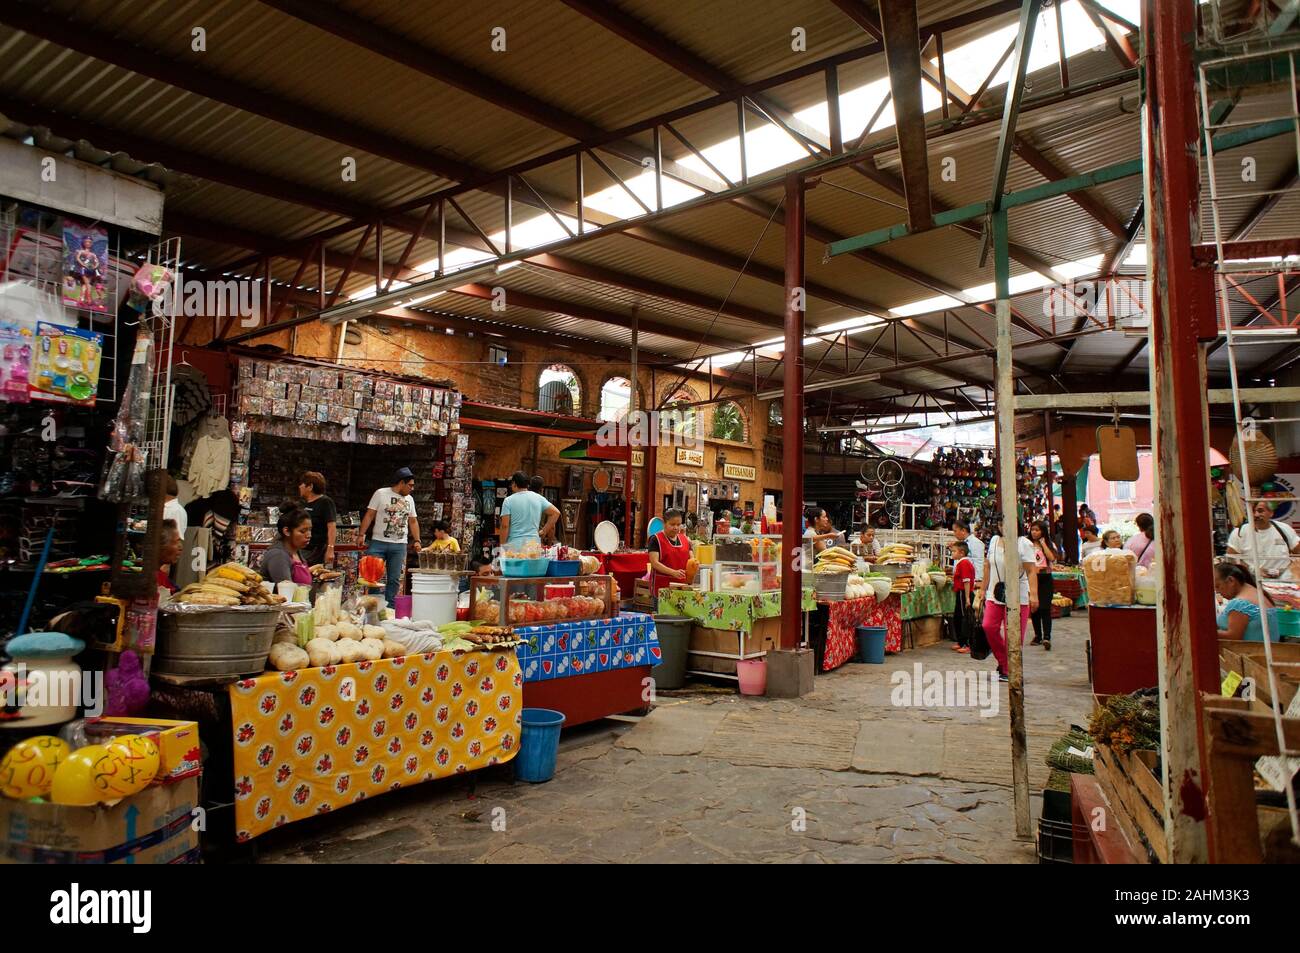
(539, 743)
(871, 644)
(1288, 622)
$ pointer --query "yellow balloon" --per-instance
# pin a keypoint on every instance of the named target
(83, 779)
(29, 767)
(135, 762)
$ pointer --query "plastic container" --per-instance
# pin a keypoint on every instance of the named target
(564, 567)
(752, 675)
(871, 644)
(539, 743)
(524, 567)
(559, 590)
(433, 597)
(402, 607)
(674, 633)
(1288, 622)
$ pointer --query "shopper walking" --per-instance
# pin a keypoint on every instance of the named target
(994, 596)
(1045, 556)
(391, 512)
(324, 518)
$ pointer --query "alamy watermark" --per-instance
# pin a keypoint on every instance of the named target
(21, 687)
(935, 688)
(656, 428)
(213, 298)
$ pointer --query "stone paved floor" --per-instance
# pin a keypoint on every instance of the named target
(841, 775)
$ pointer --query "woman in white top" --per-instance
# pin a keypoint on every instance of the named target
(995, 606)
(1090, 541)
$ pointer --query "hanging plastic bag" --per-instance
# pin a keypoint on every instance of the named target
(127, 459)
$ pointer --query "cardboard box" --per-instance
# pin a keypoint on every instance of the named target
(154, 826)
(711, 663)
(763, 638)
(177, 741)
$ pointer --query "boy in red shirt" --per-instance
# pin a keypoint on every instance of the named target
(963, 584)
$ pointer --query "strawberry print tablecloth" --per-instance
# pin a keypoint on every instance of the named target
(317, 739)
(846, 615)
(583, 646)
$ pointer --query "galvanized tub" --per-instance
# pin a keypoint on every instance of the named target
(218, 642)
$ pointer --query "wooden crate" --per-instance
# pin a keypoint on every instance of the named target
(1136, 797)
(1248, 659)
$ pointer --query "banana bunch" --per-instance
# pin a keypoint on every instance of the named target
(834, 559)
(231, 584)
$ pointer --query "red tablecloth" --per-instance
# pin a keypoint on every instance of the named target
(626, 568)
(847, 615)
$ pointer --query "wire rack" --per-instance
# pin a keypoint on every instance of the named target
(34, 271)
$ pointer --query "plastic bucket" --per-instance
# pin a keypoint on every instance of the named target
(433, 597)
(871, 644)
(1288, 622)
(752, 675)
(674, 633)
(539, 743)
(402, 607)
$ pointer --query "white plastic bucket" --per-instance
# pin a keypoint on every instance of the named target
(433, 597)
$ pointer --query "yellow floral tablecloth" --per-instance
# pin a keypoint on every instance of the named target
(317, 739)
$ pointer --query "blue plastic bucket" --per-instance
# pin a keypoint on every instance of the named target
(871, 644)
(539, 742)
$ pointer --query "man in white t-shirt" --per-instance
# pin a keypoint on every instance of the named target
(995, 607)
(172, 509)
(1276, 541)
(392, 513)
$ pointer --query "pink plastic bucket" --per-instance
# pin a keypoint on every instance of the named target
(402, 607)
(752, 675)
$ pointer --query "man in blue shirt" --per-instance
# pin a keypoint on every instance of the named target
(525, 516)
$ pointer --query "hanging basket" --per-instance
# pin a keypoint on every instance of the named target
(1261, 459)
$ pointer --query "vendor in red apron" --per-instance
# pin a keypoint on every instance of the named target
(670, 550)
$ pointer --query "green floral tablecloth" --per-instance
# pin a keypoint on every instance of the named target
(726, 610)
(927, 600)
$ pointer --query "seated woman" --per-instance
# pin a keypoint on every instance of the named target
(1112, 540)
(283, 560)
(1239, 619)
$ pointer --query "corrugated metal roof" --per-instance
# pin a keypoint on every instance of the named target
(608, 82)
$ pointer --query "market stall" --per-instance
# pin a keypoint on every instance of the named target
(317, 739)
(355, 428)
(579, 654)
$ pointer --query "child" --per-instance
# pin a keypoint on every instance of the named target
(963, 584)
(443, 542)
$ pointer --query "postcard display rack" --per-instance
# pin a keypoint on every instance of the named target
(336, 406)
